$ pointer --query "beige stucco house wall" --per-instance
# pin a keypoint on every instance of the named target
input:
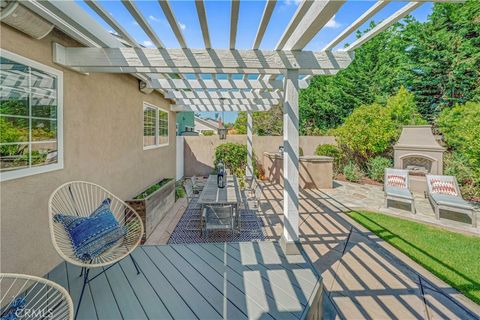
(103, 143)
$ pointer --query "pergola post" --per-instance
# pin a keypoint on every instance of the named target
(249, 172)
(290, 241)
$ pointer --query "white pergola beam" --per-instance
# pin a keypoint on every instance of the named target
(215, 108)
(107, 17)
(221, 102)
(234, 22)
(379, 5)
(267, 14)
(290, 238)
(170, 84)
(254, 94)
(305, 62)
(249, 170)
(138, 16)
(315, 18)
(398, 15)
(294, 22)
(202, 17)
(167, 10)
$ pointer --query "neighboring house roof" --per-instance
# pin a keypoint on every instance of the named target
(203, 124)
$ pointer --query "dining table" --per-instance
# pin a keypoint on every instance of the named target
(213, 195)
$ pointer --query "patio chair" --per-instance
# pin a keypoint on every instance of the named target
(197, 184)
(22, 293)
(192, 197)
(396, 188)
(81, 199)
(444, 195)
(218, 218)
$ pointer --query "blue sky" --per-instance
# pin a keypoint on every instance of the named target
(218, 15)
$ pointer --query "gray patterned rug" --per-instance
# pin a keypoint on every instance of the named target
(188, 228)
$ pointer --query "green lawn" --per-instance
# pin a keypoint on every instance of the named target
(453, 257)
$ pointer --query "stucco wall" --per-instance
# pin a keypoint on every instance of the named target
(199, 151)
(103, 131)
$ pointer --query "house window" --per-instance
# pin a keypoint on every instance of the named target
(155, 126)
(31, 96)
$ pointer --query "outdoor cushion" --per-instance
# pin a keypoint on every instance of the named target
(398, 192)
(395, 180)
(93, 235)
(453, 201)
(443, 187)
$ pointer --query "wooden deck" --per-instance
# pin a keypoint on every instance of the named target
(248, 280)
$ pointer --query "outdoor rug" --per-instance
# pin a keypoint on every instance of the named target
(188, 228)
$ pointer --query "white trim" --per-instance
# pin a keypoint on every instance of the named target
(19, 173)
(157, 117)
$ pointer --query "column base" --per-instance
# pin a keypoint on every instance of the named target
(290, 247)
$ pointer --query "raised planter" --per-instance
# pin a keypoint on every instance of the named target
(152, 207)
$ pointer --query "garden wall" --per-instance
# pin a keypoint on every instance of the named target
(199, 151)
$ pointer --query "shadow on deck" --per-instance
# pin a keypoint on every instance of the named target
(248, 280)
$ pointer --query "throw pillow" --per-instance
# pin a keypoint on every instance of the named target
(398, 181)
(443, 187)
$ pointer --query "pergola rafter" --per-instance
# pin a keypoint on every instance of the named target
(166, 69)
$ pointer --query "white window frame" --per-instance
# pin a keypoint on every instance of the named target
(20, 173)
(157, 117)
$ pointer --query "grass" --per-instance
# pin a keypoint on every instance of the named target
(453, 257)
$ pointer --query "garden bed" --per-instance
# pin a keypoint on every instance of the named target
(153, 203)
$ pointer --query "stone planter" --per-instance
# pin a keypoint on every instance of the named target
(153, 208)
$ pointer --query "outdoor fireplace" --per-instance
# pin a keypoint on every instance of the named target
(418, 151)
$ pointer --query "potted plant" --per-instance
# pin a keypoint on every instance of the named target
(153, 203)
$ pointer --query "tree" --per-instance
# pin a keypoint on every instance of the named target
(265, 123)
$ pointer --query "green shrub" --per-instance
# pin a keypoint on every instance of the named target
(460, 126)
(234, 157)
(352, 172)
(333, 151)
(457, 165)
(376, 168)
(300, 151)
(208, 133)
(179, 192)
(367, 132)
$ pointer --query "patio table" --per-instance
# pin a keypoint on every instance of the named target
(213, 195)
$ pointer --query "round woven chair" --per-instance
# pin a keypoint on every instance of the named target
(81, 198)
(29, 297)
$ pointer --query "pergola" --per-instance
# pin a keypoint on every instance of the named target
(240, 80)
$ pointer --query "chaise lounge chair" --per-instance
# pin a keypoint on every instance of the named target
(396, 187)
(444, 195)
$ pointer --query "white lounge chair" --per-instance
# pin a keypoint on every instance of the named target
(396, 187)
(80, 198)
(44, 298)
(444, 195)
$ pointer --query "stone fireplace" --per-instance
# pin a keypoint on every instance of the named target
(418, 151)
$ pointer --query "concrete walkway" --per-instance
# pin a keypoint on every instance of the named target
(364, 277)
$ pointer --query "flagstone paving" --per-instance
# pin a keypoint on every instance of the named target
(363, 276)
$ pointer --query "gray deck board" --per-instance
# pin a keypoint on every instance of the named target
(203, 283)
(197, 281)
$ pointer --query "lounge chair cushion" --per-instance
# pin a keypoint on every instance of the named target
(93, 235)
(395, 180)
(443, 187)
(398, 192)
(452, 201)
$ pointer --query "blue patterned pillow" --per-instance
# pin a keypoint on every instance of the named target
(93, 235)
(11, 311)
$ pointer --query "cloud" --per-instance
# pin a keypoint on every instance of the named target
(332, 23)
(153, 18)
(147, 43)
(182, 25)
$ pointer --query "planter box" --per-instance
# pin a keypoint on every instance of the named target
(154, 207)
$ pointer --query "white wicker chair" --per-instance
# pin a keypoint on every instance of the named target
(44, 299)
(81, 198)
